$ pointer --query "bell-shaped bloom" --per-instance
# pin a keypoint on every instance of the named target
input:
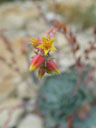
(49, 71)
(46, 45)
(51, 66)
(41, 72)
(36, 62)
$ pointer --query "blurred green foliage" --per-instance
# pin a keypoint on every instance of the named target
(86, 18)
(5, 0)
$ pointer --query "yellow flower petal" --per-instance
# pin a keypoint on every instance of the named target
(41, 46)
(47, 45)
(31, 68)
(53, 48)
(44, 39)
(51, 41)
(46, 51)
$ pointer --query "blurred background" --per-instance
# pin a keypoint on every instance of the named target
(20, 20)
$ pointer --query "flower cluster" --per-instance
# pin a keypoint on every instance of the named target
(42, 60)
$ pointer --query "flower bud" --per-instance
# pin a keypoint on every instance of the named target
(49, 71)
(41, 72)
(50, 65)
(36, 62)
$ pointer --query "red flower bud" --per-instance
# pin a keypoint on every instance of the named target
(36, 62)
(50, 65)
(49, 71)
(41, 72)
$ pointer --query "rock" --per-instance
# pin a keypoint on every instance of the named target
(10, 111)
(10, 80)
(17, 14)
(32, 121)
(25, 90)
(64, 55)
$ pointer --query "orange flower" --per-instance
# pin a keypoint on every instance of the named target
(51, 66)
(47, 45)
(36, 62)
(35, 42)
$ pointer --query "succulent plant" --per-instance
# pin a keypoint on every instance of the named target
(56, 101)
